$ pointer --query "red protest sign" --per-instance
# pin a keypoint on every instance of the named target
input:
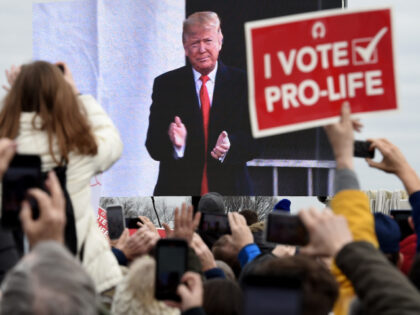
(301, 68)
(102, 221)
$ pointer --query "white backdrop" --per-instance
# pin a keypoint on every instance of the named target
(115, 50)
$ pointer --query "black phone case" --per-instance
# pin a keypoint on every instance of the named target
(204, 215)
(24, 172)
(361, 149)
(275, 230)
(115, 230)
(131, 223)
(167, 293)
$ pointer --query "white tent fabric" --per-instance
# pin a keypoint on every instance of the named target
(384, 201)
(115, 49)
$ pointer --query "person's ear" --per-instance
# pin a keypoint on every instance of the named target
(220, 40)
(184, 44)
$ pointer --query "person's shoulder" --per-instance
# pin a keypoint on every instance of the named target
(231, 69)
(175, 74)
(233, 73)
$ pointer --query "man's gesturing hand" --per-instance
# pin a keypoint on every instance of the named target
(222, 146)
(177, 133)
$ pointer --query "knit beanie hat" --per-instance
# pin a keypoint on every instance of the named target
(388, 233)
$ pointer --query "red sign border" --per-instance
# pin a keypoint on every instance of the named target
(249, 26)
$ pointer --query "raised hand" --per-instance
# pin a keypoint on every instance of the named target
(177, 133)
(191, 291)
(203, 253)
(395, 162)
(138, 244)
(241, 234)
(147, 224)
(11, 76)
(184, 223)
(68, 76)
(222, 146)
(328, 233)
(341, 138)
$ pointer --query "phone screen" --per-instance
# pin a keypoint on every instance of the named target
(401, 217)
(272, 295)
(286, 229)
(217, 224)
(24, 172)
(116, 222)
(171, 264)
(361, 149)
(131, 223)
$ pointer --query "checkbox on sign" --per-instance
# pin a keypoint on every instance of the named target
(360, 45)
(364, 50)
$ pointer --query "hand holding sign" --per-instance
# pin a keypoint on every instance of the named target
(341, 138)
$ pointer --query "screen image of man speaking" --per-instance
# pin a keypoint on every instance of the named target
(199, 125)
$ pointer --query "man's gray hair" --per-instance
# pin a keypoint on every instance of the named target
(48, 280)
(205, 19)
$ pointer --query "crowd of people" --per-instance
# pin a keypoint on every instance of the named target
(350, 265)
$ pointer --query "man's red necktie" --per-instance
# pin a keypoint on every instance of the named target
(205, 110)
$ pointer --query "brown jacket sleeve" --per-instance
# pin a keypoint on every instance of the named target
(381, 287)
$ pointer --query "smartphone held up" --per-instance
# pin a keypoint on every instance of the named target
(281, 228)
(24, 173)
(116, 221)
(214, 223)
(272, 294)
(171, 264)
(362, 149)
